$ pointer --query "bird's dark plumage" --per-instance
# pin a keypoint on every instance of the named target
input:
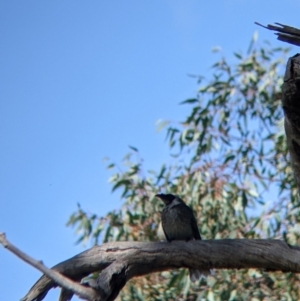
(179, 223)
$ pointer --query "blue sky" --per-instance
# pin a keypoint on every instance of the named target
(82, 80)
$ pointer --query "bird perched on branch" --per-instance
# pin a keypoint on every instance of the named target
(179, 223)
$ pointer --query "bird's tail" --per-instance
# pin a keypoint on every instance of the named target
(196, 274)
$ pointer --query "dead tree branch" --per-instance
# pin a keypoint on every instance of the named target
(291, 95)
(69, 285)
(291, 107)
(284, 33)
(121, 261)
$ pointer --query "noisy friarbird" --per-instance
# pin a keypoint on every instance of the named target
(179, 223)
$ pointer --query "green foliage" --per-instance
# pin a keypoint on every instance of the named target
(230, 164)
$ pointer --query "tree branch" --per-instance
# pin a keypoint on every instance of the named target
(291, 107)
(285, 33)
(121, 261)
(69, 285)
(291, 95)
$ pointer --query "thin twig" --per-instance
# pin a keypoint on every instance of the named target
(80, 290)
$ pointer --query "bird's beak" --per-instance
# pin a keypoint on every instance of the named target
(158, 196)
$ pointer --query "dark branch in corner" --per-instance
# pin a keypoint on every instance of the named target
(291, 95)
(284, 33)
(291, 107)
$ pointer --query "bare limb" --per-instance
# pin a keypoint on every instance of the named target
(82, 291)
(121, 261)
(291, 95)
(285, 33)
(291, 107)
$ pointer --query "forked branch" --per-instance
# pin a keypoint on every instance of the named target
(121, 261)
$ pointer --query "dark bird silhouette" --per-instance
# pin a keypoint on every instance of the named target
(179, 223)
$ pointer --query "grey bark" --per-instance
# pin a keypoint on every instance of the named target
(291, 95)
(291, 107)
(121, 261)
